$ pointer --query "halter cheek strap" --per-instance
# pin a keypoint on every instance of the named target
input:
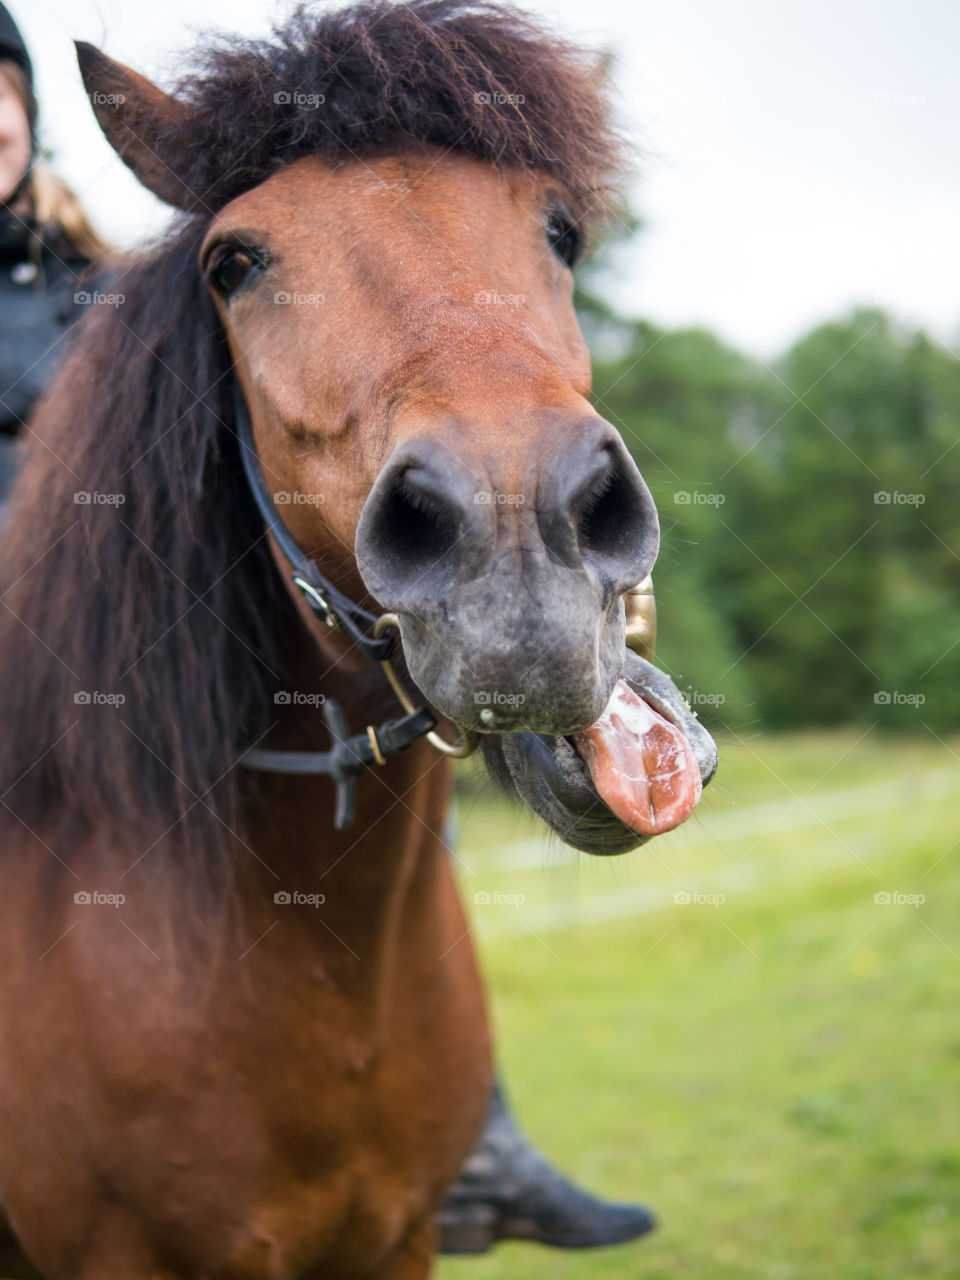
(337, 610)
(376, 638)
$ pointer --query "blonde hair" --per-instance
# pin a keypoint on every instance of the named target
(54, 206)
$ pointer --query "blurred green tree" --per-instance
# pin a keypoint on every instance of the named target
(810, 513)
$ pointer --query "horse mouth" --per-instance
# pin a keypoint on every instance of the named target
(637, 772)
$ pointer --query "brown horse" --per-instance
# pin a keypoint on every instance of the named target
(236, 1041)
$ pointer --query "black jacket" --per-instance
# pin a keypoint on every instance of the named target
(37, 306)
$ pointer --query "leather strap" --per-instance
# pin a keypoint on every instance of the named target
(350, 754)
(336, 609)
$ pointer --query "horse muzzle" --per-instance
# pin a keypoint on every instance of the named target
(507, 578)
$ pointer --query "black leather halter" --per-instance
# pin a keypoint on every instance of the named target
(376, 638)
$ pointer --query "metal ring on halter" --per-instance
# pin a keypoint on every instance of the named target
(468, 742)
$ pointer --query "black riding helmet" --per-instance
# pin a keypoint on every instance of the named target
(13, 49)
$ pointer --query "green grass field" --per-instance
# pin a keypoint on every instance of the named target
(774, 1065)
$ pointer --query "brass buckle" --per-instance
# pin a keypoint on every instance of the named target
(468, 742)
(319, 600)
(374, 741)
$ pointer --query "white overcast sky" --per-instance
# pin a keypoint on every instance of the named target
(801, 156)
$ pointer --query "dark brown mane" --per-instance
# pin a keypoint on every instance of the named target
(160, 589)
(171, 599)
(468, 75)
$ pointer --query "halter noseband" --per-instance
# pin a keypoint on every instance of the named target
(375, 637)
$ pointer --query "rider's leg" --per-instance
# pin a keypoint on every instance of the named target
(508, 1191)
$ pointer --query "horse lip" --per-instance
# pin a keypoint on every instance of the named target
(552, 777)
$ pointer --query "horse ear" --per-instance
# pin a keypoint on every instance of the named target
(140, 121)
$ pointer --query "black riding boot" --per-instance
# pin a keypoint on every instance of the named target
(508, 1191)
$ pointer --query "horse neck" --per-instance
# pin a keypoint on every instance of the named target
(389, 871)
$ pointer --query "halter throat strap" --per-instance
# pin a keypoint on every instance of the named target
(349, 755)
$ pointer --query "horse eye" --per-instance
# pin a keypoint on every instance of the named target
(563, 237)
(228, 267)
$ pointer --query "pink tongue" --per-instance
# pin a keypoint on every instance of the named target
(641, 764)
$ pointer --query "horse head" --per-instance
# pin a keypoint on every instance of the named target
(400, 317)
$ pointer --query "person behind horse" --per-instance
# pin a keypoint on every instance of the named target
(46, 244)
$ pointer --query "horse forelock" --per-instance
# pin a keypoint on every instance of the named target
(388, 76)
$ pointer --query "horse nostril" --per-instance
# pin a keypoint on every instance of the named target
(413, 522)
(610, 517)
(596, 511)
(412, 526)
